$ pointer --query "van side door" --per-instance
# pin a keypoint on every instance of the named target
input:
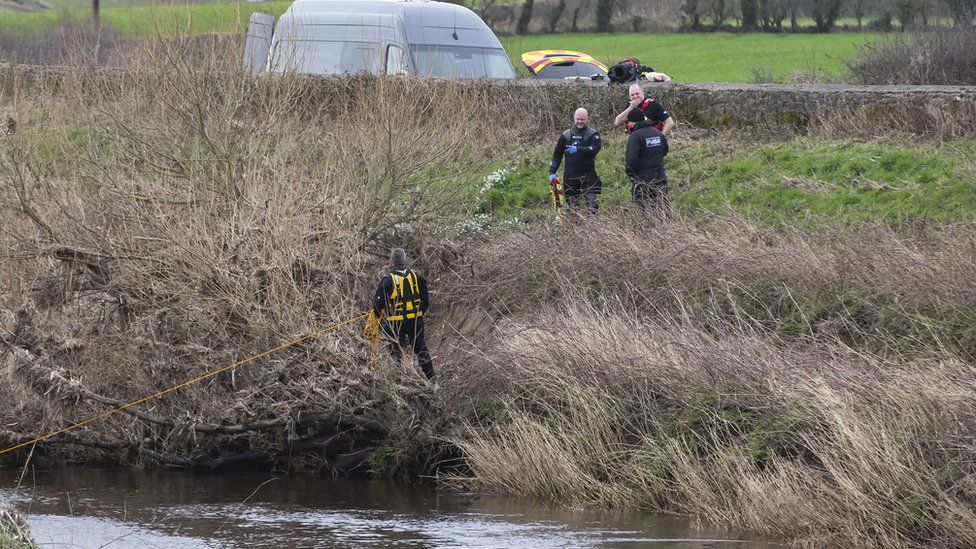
(396, 60)
(257, 43)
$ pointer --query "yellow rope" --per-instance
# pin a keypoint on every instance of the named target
(185, 383)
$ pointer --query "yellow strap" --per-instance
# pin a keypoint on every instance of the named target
(414, 285)
(393, 293)
(408, 316)
(397, 293)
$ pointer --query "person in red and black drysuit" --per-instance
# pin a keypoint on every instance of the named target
(660, 118)
(402, 295)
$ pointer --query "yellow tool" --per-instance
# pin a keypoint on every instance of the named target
(371, 333)
(556, 192)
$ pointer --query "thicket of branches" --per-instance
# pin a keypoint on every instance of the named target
(162, 222)
(547, 16)
(945, 56)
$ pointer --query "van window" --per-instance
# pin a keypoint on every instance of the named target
(325, 57)
(395, 60)
(461, 62)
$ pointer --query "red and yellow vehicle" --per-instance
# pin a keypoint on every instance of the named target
(564, 65)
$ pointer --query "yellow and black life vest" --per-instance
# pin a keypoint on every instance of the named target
(404, 301)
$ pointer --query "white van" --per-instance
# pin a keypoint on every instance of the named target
(418, 37)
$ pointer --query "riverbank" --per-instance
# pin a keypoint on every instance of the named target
(789, 355)
(14, 532)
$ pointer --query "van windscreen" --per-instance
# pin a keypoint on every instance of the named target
(325, 57)
(460, 62)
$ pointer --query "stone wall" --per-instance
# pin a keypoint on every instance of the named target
(541, 107)
(945, 111)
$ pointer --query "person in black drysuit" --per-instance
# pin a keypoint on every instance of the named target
(402, 295)
(646, 148)
(580, 144)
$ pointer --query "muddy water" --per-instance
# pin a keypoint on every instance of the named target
(84, 507)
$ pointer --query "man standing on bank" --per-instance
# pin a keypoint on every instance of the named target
(580, 144)
(653, 111)
(646, 149)
(402, 295)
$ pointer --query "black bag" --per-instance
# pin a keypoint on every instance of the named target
(628, 70)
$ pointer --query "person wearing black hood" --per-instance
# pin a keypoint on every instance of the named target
(402, 296)
(580, 145)
(646, 149)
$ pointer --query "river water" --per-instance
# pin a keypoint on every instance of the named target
(91, 508)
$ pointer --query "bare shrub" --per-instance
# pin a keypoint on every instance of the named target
(183, 215)
(942, 56)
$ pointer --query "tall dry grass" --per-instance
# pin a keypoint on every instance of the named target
(70, 40)
(631, 366)
(875, 288)
(821, 445)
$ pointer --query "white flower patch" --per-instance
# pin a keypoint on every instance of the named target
(482, 224)
(479, 224)
(495, 178)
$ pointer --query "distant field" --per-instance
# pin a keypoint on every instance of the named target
(710, 57)
(141, 17)
(702, 57)
(84, 4)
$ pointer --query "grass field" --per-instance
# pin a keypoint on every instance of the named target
(703, 57)
(134, 18)
(710, 57)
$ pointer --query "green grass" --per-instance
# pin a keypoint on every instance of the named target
(146, 20)
(819, 182)
(804, 182)
(704, 57)
(709, 57)
(107, 4)
(10, 541)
